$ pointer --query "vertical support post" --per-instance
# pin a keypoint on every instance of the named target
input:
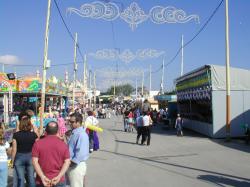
(150, 78)
(45, 60)
(136, 89)
(5, 108)
(182, 57)
(94, 90)
(114, 87)
(142, 84)
(162, 76)
(90, 87)
(75, 69)
(85, 90)
(228, 104)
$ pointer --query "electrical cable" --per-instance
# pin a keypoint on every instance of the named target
(67, 28)
(195, 36)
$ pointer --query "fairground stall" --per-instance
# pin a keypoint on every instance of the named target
(21, 94)
(201, 98)
(169, 102)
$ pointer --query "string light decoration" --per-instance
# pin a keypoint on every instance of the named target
(122, 73)
(133, 14)
(127, 55)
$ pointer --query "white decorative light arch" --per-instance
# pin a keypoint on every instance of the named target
(133, 14)
(126, 55)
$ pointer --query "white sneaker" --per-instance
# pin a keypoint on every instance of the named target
(91, 150)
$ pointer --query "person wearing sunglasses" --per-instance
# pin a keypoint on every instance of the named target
(79, 151)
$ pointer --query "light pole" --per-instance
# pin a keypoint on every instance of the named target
(150, 78)
(75, 69)
(162, 76)
(85, 86)
(142, 84)
(228, 104)
(94, 90)
(136, 90)
(182, 58)
(45, 65)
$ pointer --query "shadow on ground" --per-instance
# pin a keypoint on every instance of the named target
(212, 176)
(235, 143)
(223, 181)
(170, 131)
(119, 141)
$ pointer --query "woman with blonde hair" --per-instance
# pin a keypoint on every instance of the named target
(22, 143)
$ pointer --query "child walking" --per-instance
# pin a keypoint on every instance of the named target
(178, 125)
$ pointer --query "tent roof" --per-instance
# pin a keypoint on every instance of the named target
(239, 78)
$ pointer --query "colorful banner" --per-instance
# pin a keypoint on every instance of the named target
(203, 79)
(29, 85)
(6, 84)
(32, 85)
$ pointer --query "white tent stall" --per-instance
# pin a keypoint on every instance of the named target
(201, 98)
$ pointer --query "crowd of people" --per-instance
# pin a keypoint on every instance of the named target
(143, 118)
(57, 155)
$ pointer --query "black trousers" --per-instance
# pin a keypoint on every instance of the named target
(139, 134)
(146, 134)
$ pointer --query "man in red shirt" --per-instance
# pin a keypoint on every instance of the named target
(51, 159)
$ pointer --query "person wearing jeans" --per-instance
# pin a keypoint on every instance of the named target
(23, 141)
(23, 164)
(4, 147)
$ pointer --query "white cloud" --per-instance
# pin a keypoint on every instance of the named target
(9, 59)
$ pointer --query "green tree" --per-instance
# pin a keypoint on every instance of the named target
(125, 90)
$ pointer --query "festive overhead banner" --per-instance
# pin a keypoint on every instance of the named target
(126, 55)
(122, 73)
(133, 14)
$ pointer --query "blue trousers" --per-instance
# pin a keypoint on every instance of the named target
(3, 174)
(23, 163)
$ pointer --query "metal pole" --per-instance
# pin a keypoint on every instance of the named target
(75, 69)
(136, 91)
(142, 83)
(162, 76)
(90, 79)
(94, 90)
(114, 88)
(228, 104)
(45, 59)
(6, 108)
(150, 78)
(90, 88)
(84, 78)
(182, 59)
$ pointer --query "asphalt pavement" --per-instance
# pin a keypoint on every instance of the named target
(170, 161)
(191, 160)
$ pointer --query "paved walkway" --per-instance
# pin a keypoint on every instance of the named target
(192, 160)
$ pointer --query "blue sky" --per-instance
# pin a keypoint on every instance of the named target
(23, 26)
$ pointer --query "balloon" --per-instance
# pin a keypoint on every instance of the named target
(94, 128)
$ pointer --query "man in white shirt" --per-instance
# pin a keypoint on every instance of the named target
(147, 123)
